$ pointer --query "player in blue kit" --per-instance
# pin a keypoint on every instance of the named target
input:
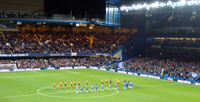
(115, 86)
(86, 89)
(76, 89)
(81, 88)
(130, 85)
(124, 85)
(102, 87)
(96, 88)
(109, 87)
(92, 88)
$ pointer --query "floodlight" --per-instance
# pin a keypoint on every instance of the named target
(139, 6)
(192, 2)
(182, 2)
(161, 4)
(169, 3)
(178, 3)
(145, 5)
(152, 5)
(156, 4)
(174, 4)
(196, 2)
(189, 2)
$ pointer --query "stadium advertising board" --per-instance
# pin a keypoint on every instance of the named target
(130, 73)
(168, 79)
(31, 69)
(4, 70)
(49, 68)
(103, 69)
(28, 69)
(135, 73)
(36, 68)
(150, 76)
(144, 75)
(122, 72)
(73, 54)
(54, 54)
(94, 67)
(197, 83)
(111, 70)
(155, 77)
(79, 67)
(102, 54)
(184, 81)
(19, 70)
(65, 67)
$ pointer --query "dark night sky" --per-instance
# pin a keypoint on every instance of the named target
(80, 6)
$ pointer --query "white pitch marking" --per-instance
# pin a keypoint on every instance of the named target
(23, 76)
(74, 91)
(75, 97)
(19, 96)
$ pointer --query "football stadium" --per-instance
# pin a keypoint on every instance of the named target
(99, 51)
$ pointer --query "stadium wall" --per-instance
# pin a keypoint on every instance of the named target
(135, 46)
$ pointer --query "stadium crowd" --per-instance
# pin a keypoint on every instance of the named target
(178, 19)
(3, 48)
(169, 64)
(64, 42)
(176, 43)
(57, 62)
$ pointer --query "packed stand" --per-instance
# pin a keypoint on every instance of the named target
(4, 48)
(60, 62)
(162, 67)
(179, 19)
(64, 42)
(171, 63)
(56, 62)
(176, 43)
(24, 42)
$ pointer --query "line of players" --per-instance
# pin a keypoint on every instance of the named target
(126, 84)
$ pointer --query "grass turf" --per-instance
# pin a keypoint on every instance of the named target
(23, 87)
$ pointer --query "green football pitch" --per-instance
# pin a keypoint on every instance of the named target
(37, 86)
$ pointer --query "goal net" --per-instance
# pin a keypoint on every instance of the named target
(8, 66)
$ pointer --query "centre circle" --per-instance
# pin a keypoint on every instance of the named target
(46, 94)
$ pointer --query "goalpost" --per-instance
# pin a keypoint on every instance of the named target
(10, 67)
